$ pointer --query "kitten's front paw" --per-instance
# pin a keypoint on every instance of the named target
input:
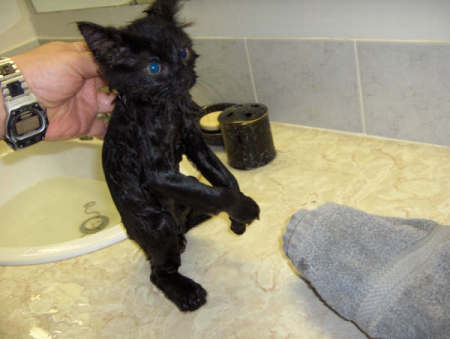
(237, 227)
(244, 210)
(182, 291)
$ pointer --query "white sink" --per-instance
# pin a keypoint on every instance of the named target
(54, 203)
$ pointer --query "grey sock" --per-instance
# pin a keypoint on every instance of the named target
(390, 276)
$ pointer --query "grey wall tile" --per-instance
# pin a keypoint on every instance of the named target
(406, 90)
(308, 82)
(366, 19)
(223, 72)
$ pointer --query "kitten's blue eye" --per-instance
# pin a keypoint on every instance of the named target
(154, 68)
(184, 53)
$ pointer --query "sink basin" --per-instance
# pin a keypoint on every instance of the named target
(55, 204)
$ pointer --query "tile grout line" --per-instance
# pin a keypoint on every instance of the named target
(318, 38)
(360, 88)
(358, 134)
(250, 67)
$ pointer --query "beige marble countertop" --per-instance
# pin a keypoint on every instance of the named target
(253, 292)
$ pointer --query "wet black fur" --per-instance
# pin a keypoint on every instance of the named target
(154, 122)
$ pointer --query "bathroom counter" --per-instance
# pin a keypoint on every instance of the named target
(253, 291)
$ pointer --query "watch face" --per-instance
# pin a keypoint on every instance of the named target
(27, 121)
(26, 126)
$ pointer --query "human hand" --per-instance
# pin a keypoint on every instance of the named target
(64, 77)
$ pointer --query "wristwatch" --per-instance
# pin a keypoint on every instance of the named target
(26, 120)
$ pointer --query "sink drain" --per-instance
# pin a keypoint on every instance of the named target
(93, 224)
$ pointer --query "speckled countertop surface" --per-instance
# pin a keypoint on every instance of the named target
(253, 291)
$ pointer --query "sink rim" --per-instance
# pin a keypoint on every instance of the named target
(17, 256)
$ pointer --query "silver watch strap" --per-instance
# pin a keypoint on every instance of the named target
(7, 62)
(21, 92)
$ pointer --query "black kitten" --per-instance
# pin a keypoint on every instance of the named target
(151, 64)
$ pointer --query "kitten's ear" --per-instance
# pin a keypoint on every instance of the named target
(107, 45)
(166, 9)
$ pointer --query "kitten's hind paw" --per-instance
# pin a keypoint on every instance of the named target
(182, 291)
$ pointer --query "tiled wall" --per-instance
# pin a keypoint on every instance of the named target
(392, 89)
(385, 87)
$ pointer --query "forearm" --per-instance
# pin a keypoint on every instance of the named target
(213, 169)
(208, 164)
(188, 191)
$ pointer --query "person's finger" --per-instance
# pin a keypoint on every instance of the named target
(105, 102)
(100, 83)
(98, 128)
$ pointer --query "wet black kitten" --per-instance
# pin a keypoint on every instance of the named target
(151, 64)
